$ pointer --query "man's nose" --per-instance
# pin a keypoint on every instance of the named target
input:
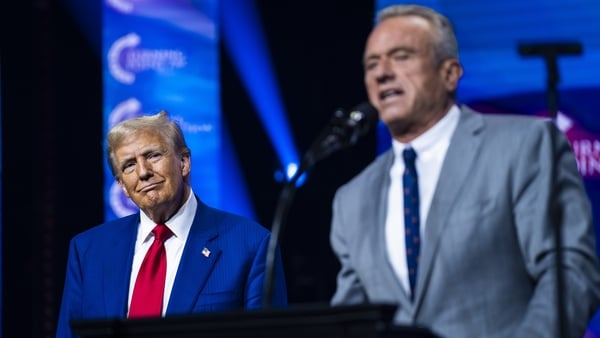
(144, 169)
(384, 71)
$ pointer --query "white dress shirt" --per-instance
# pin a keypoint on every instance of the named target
(180, 225)
(431, 150)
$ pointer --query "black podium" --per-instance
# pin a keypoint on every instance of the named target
(363, 321)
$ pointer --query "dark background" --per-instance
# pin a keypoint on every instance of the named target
(52, 142)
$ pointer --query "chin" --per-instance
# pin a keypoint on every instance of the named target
(392, 115)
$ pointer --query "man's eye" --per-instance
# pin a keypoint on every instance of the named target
(154, 156)
(401, 56)
(370, 65)
(128, 167)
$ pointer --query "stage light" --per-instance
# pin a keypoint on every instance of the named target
(244, 39)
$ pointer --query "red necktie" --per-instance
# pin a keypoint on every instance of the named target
(147, 298)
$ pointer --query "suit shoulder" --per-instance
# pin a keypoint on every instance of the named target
(229, 221)
(510, 128)
(519, 120)
(108, 229)
(235, 230)
(511, 122)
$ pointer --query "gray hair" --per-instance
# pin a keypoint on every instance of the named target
(160, 123)
(446, 46)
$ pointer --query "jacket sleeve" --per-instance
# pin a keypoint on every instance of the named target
(255, 286)
(70, 308)
(349, 289)
(549, 193)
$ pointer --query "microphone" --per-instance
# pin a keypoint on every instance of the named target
(550, 48)
(344, 130)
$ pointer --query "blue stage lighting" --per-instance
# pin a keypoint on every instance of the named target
(244, 39)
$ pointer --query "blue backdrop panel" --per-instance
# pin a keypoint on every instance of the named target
(163, 54)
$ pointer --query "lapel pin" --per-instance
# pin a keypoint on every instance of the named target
(206, 252)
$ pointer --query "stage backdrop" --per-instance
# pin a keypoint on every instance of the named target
(161, 54)
(498, 79)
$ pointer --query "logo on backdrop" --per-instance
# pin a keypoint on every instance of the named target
(121, 5)
(125, 59)
(125, 110)
(586, 146)
(119, 202)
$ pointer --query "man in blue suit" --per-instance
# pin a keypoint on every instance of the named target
(215, 261)
(474, 253)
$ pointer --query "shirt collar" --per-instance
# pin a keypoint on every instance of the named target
(179, 224)
(443, 129)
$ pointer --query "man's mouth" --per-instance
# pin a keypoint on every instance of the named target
(389, 94)
(149, 187)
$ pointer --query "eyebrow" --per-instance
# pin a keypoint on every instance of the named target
(148, 149)
(389, 52)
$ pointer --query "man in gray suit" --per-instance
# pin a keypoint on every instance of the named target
(481, 259)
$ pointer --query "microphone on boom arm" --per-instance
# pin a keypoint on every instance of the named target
(344, 130)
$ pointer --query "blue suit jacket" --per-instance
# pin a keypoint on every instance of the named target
(231, 277)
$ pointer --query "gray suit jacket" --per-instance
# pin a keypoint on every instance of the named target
(487, 266)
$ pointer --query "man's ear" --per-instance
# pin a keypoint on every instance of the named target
(451, 71)
(186, 164)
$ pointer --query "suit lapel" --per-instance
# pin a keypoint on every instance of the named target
(380, 186)
(199, 256)
(116, 270)
(460, 157)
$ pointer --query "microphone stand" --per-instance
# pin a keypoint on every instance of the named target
(343, 131)
(331, 139)
(550, 52)
(285, 201)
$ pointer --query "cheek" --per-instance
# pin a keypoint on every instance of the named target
(417, 87)
(128, 182)
(368, 81)
(124, 188)
(371, 87)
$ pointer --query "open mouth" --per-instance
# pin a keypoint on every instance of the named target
(389, 94)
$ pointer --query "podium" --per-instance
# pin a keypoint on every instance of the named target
(360, 321)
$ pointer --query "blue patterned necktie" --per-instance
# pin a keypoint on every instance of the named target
(410, 184)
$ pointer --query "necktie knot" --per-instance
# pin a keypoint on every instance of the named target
(162, 233)
(409, 156)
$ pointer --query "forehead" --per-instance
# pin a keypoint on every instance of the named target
(138, 142)
(401, 31)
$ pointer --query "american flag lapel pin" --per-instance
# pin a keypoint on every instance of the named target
(206, 252)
